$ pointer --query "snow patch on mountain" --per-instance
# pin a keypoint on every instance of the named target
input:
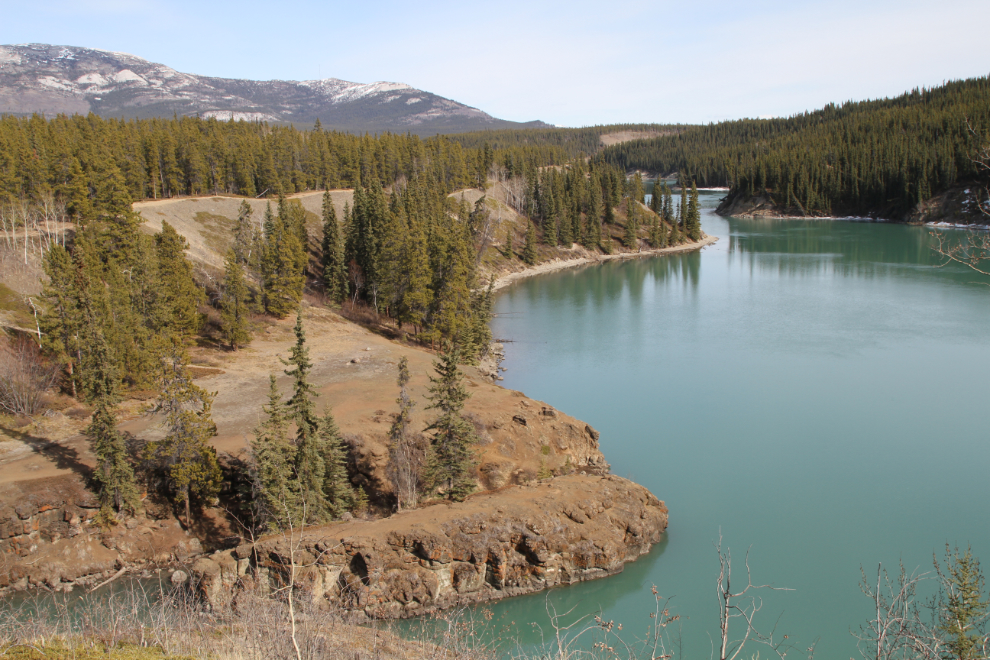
(66, 79)
(230, 115)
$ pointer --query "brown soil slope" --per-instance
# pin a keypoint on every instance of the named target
(44, 462)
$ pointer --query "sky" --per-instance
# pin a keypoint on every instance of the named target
(569, 63)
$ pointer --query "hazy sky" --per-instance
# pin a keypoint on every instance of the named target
(568, 63)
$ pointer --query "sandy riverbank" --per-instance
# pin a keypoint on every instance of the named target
(561, 264)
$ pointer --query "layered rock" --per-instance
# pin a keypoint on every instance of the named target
(49, 539)
(520, 540)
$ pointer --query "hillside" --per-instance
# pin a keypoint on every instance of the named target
(537, 467)
(881, 158)
(48, 79)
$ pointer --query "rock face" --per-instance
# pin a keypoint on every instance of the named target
(520, 540)
(48, 537)
(957, 206)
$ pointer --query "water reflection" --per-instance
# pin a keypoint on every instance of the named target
(806, 392)
(603, 288)
(822, 248)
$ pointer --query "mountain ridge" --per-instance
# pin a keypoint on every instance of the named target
(53, 79)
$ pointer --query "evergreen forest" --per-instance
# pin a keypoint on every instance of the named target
(120, 306)
(877, 158)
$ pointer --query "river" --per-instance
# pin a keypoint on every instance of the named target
(812, 390)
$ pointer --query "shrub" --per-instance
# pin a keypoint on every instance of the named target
(25, 375)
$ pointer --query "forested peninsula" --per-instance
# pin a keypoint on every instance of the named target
(207, 325)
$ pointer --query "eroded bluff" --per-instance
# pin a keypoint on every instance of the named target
(516, 541)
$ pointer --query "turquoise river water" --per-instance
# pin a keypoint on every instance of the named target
(813, 390)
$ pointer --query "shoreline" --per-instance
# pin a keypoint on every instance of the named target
(937, 224)
(562, 264)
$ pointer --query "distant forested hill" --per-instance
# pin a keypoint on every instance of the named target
(878, 157)
(573, 141)
(155, 158)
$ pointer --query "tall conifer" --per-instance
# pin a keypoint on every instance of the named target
(332, 256)
(529, 247)
(450, 462)
(233, 303)
(113, 475)
(274, 458)
(179, 295)
(693, 225)
(184, 454)
(243, 233)
(632, 224)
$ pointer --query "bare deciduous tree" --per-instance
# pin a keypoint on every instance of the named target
(971, 252)
(738, 605)
(407, 453)
(897, 631)
(25, 376)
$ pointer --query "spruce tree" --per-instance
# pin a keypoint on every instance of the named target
(416, 297)
(340, 495)
(507, 251)
(552, 229)
(529, 254)
(309, 468)
(565, 228)
(274, 457)
(693, 225)
(576, 227)
(178, 293)
(656, 234)
(450, 462)
(233, 303)
(243, 233)
(113, 475)
(632, 224)
(320, 461)
(667, 213)
(961, 606)
(184, 454)
(656, 199)
(637, 188)
(452, 258)
(61, 322)
(332, 256)
(281, 277)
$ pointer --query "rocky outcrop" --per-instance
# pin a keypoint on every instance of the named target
(520, 540)
(738, 205)
(957, 206)
(49, 539)
(519, 438)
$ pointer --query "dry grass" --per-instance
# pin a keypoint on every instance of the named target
(138, 623)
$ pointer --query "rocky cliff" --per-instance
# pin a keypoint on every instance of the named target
(48, 538)
(515, 541)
